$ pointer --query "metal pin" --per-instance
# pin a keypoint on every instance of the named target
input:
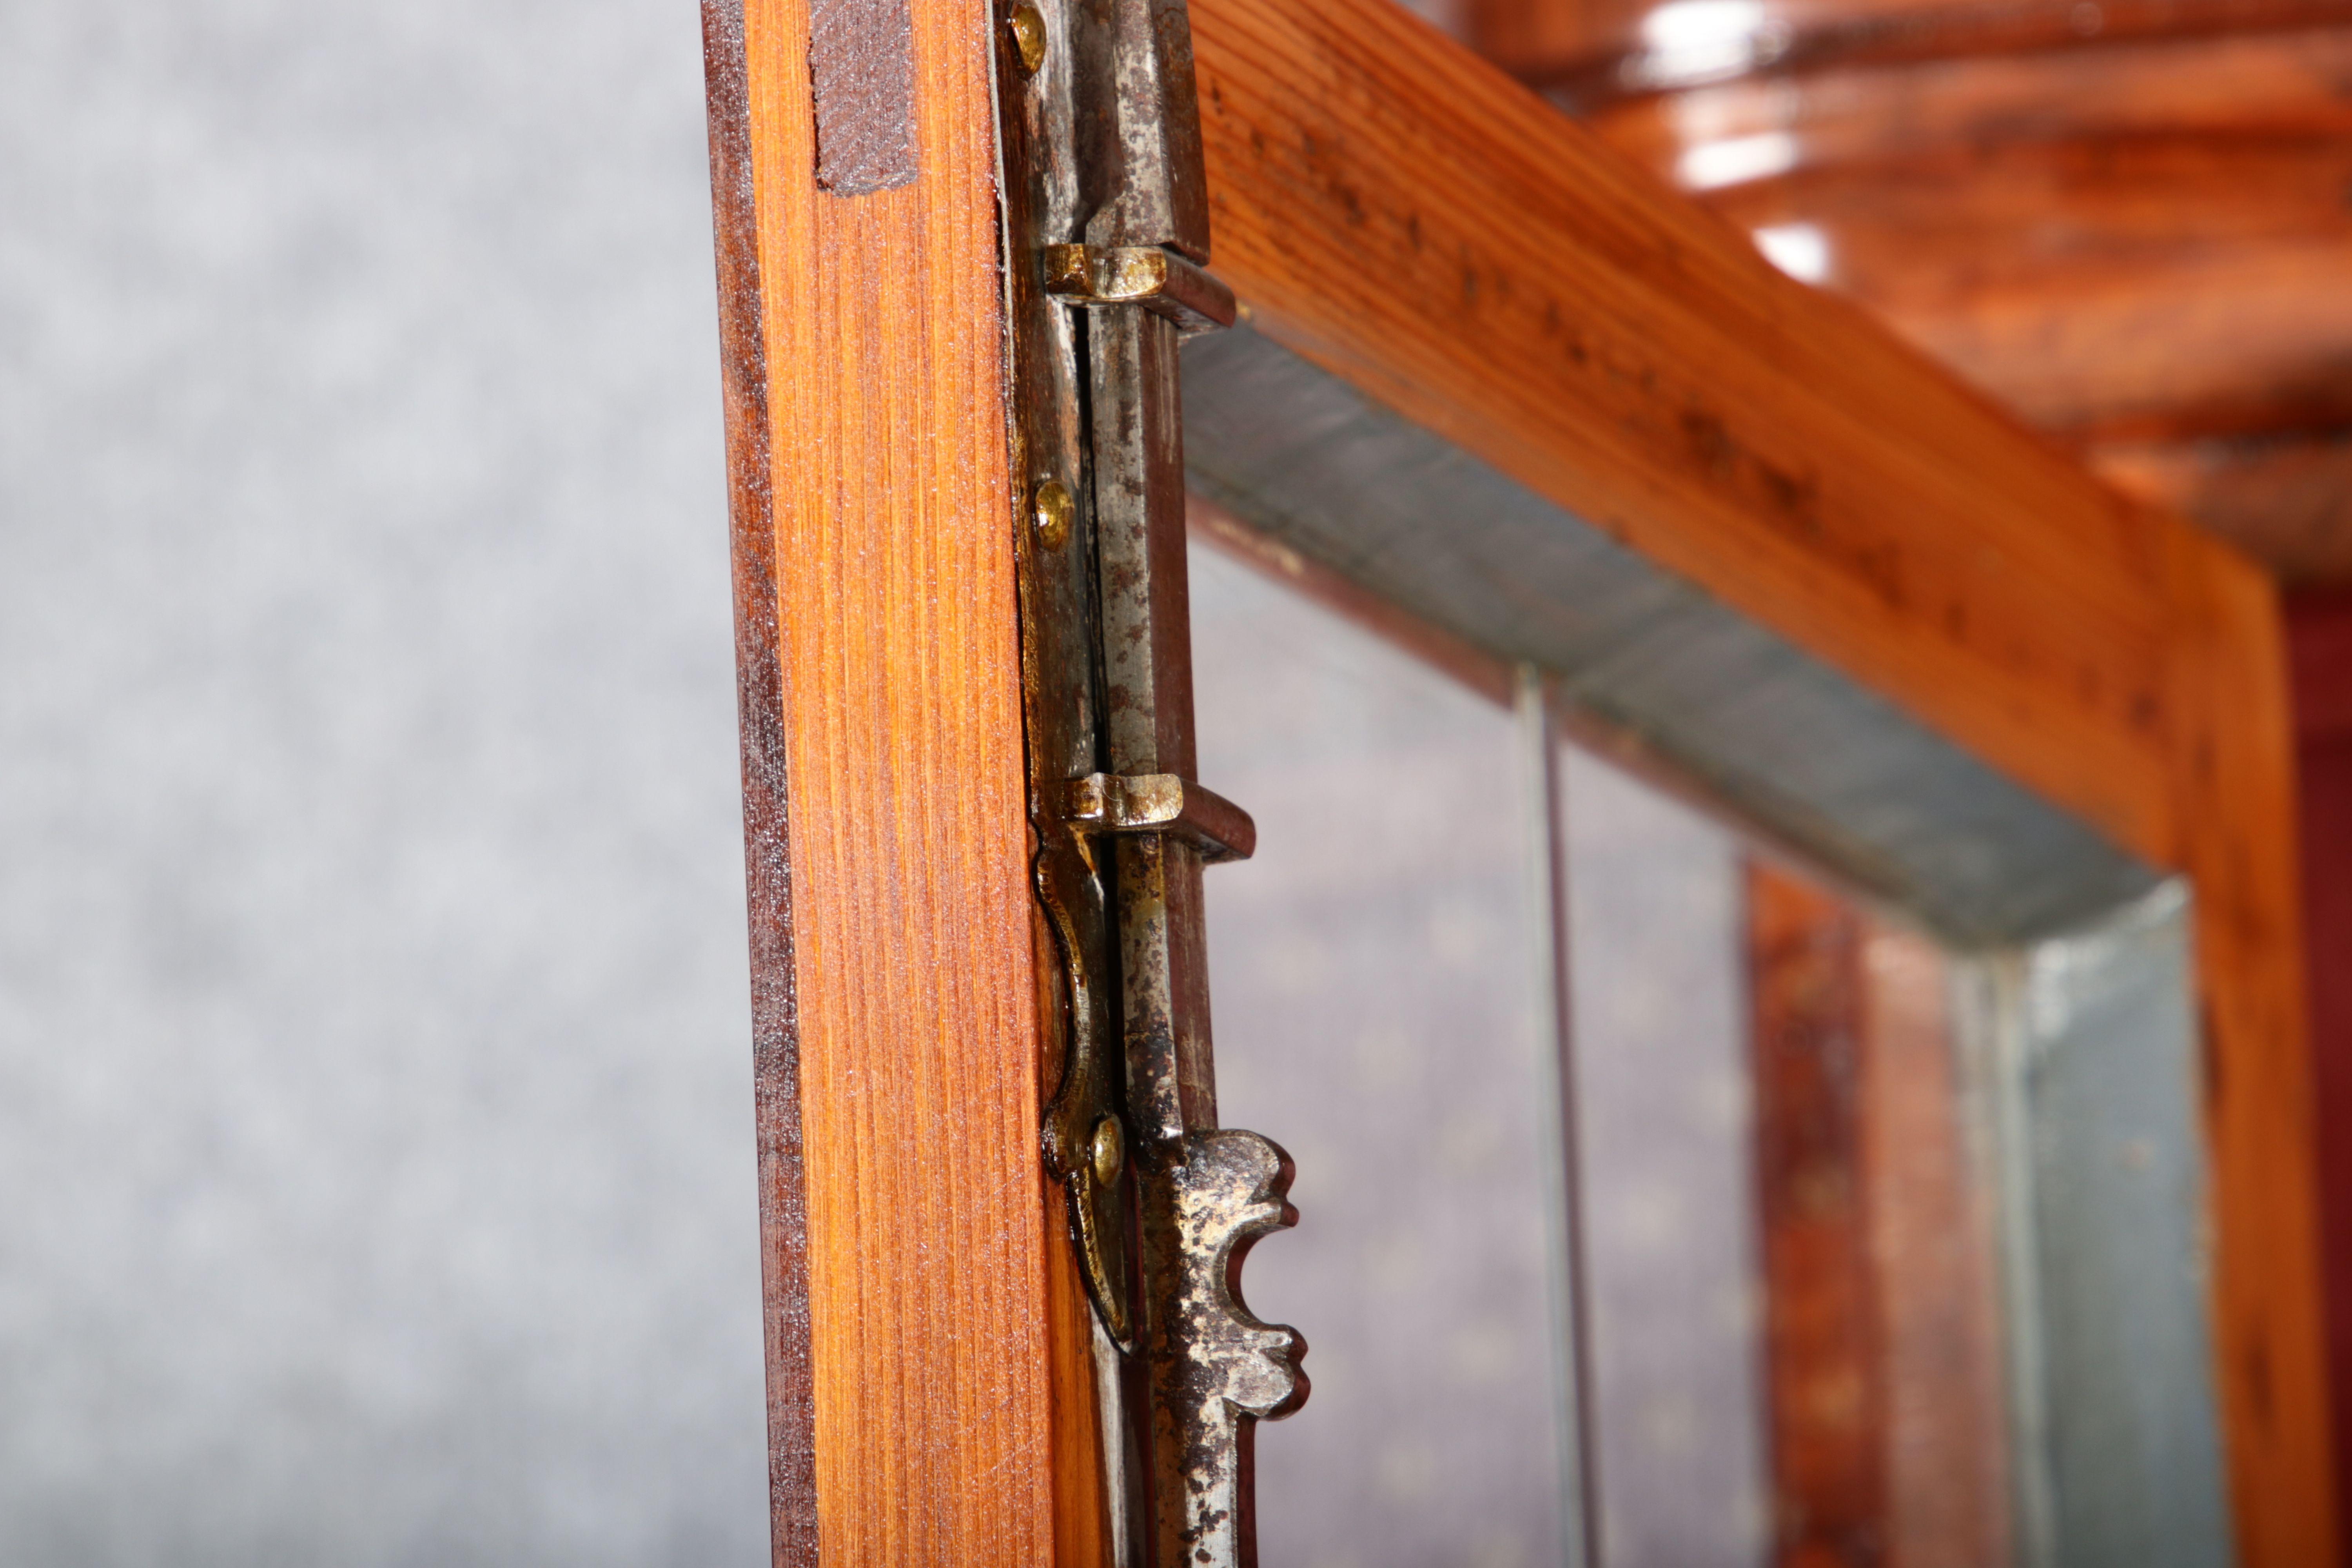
(1028, 37)
(1053, 511)
(1108, 1151)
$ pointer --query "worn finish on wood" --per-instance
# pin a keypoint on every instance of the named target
(783, 1194)
(866, 357)
(1883, 1360)
(1394, 210)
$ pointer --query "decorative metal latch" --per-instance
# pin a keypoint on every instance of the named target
(1107, 236)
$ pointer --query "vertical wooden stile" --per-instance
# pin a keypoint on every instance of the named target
(2233, 758)
(924, 1328)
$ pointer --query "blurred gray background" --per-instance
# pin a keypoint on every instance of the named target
(375, 1080)
(376, 1175)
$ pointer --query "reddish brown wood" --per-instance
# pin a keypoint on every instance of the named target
(2320, 626)
(2137, 245)
(2234, 766)
(1598, 51)
(1824, 1313)
(1394, 210)
(2150, 285)
(2253, 85)
(1397, 211)
(1883, 1347)
(931, 1390)
(2284, 499)
(767, 846)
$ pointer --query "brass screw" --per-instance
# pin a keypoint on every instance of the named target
(1028, 37)
(1054, 512)
(1108, 1151)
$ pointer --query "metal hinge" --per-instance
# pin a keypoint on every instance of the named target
(1106, 241)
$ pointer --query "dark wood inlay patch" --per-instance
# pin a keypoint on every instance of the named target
(862, 68)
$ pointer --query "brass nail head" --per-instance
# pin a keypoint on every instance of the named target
(1028, 37)
(1054, 513)
(1108, 1151)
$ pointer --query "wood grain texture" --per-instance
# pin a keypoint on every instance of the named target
(2139, 247)
(2233, 757)
(1882, 1345)
(2248, 85)
(884, 685)
(2149, 285)
(1395, 210)
(767, 854)
(1598, 51)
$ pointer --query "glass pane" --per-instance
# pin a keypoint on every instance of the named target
(1888, 1253)
(1665, 1128)
(1373, 977)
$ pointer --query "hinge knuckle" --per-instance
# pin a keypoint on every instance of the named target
(1165, 803)
(1160, 280)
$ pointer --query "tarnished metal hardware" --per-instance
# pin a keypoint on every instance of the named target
(1055, 511)
(1106, 1154)
(1108, 235)
(1159, 194)
(1028, 29)
(1043, 50)
(1165, 803)
(1088, 1161)
(1214, 1367)
(1160, 280)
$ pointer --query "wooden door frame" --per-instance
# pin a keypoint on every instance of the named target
(1404, 217)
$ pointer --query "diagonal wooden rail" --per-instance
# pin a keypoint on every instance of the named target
(1410, 221)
